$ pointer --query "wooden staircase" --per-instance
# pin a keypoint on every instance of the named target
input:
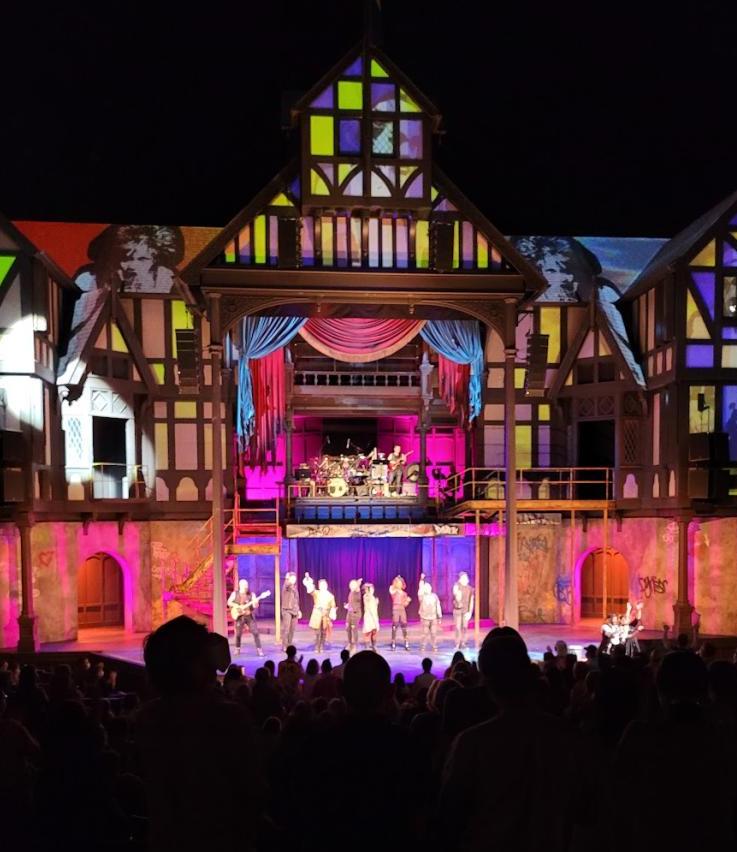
(193, 593)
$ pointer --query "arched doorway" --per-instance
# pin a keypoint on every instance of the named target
(592, 583)
(100, 592)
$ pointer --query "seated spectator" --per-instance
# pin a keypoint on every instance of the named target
(327, 685)
(61, 687)
(312, 672)
(424, 680)
(265, 697)
(233, 680)
(338, 670)
(289, 675)
(401, 690)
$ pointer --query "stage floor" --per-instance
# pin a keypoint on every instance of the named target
(117, 644)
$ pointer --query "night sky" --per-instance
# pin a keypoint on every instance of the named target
(559, 118)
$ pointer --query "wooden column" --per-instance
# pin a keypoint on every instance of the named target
(277, 598)
(219, 623)
(511, 603)
(682, 608)
(27, 620)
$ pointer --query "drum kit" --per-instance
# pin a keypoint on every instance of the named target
(357, 475)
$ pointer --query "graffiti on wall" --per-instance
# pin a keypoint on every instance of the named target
(562, 590)
(652, 585)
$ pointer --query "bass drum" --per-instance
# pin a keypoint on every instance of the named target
(337, 487)
(412, 472)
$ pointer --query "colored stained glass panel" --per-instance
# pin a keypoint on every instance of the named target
(379, 189)
(341, 240)
(729, 333)
(344, 169)
(695, 325)
(324, 100)
(699, 356)
(730, 296)
(416, 187)
(355, 69)
(729, 357)
(308, 241)
(273, 239)
(350, 95)
(523, 445)
(229, 255)
(467, 245)
(410, 139)
(356, 230)
(402, 249)
(383, 97)
(281, 200)
(422, 244)
(729, 417)
(482, 252)
(406, 172)
(550, 325)
(707, 255)
(383, 138)
(704, 282)
(377, 70)
(349, 136)
(729, 254)
(387, 243)
(321, 135)
(701, 421)
(354, 186)
(406, 104)
(373, 237)
(327, 240)
(6, 261)
(259, 239)
(390, 173)
(317, 184)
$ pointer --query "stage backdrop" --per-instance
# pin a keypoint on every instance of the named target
(375, 560)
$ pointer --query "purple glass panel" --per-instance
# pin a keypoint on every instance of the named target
(401, 247)
(733, 220)
(349, 136)
(294, 188)
(414, 190)
(390, 173)
(698, 355)
(354, 69)
(308, 241)
(273, 239)
(410, 139)
(729, 332)
(325, 100)
(355, 185)
(729, 417)
(729, 254)
(446, 206)
(467, 245)
(704, 282)
(383, 97)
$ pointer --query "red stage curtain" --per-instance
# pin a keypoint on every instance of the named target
(269, 399)
(453, 380)
(359, 340)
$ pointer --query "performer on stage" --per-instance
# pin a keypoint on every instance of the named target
(243, 604)
(324, 610)
(370, 615)
(353, 612)
(463, 598)
(430, 614)
(631, 627)
(400, 601)
(290, 612)
(396, 461)
(609, 634)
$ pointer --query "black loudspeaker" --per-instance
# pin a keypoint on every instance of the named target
(12, 448)
(709, 447)
(537, 364)
(288, 242)
(708, 483)
(12, 484)
(442, 243)
(188, 360)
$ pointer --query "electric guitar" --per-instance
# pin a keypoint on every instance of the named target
(237, 610)
(393, 465)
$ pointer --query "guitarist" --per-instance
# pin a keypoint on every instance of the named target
(243, 604)
(396, 461)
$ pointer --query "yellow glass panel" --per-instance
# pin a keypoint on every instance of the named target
(422, 244)
(161, 444)
(377, 70)
(701, 421)
(550, 325)
(118, 343)
(695, 326)
(350, 95)
(523, 445)
(344, 169)
(456, 245)
(569, 378)
(406, 104)
(321, 134)
(482, 251)
(180, 318)
(603, 345)
(327, 241)
(317, 184)
(707, 255)
(281, 200)
(259, 239)
(543, 412)
(433, 193)
(185, 409)
(729, 356)
(101, 342)
(519, 377)
(159, 372)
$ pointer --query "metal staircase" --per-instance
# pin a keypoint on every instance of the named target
(193, 592)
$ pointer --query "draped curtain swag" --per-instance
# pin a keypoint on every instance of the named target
(460, 341)
(358, 341)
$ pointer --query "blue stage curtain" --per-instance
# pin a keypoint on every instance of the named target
(260, 336)
(460, 341)
(376, 560)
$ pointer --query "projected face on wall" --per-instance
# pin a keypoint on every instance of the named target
(569, 268)
(134, 258)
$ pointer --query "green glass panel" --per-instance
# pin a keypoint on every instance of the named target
(6, 261)
(377, 70)
(482, 252)
(157, 368)
(321, 134)
(405, 173)
(350, 95)
(230, 252)
(344, 169)
(433, 193)
(422, 244)
(259, 238)
(406, 104)
(456, 245)
(317, 184)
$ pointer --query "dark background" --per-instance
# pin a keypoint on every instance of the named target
(559, 118)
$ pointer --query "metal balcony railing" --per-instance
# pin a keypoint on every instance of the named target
(339, 379)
